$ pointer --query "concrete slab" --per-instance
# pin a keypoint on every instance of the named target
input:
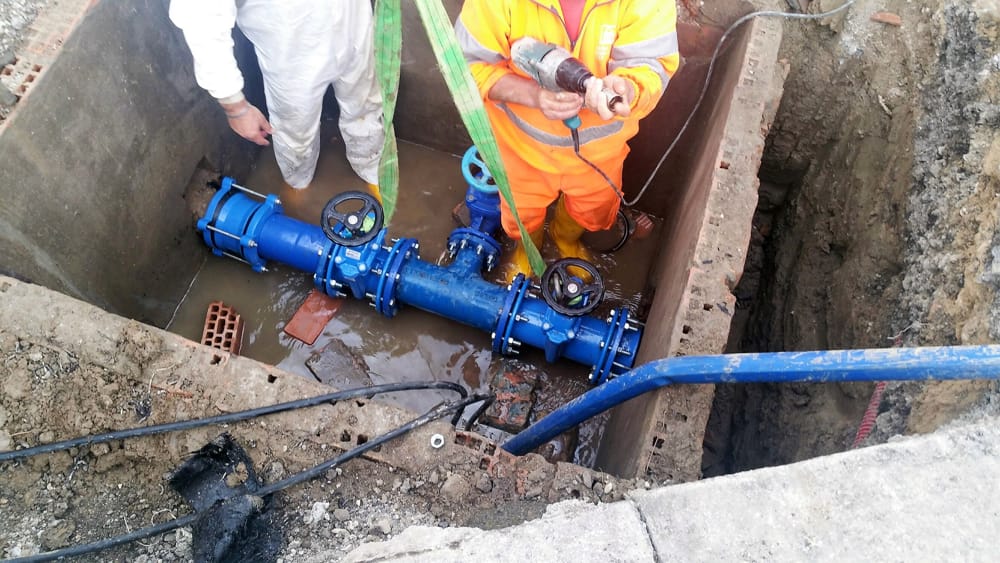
(569, 531)
(927, 498)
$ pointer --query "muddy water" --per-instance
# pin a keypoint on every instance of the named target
(414, 345)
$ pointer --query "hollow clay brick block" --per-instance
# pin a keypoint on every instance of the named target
(223, 328)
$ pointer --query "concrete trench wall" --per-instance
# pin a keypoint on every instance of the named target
(708, 195)
(96, 153)
(96, 159)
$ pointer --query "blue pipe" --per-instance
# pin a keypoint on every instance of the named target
(902, 364)
(257, 232)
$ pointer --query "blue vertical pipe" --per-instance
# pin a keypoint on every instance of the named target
(930, 363)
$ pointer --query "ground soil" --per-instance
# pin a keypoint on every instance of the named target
(74, 370)
(15, 17)
(877, 226)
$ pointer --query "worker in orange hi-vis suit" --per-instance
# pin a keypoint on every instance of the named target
(630, 44)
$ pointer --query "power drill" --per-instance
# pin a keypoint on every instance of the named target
(556, 70)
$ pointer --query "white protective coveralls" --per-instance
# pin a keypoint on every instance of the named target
(303, 46)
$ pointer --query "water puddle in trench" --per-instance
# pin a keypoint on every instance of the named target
(414, 345)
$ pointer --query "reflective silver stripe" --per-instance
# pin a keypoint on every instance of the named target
(586, 135)
(653, 64)
(662, 46)
(645, 53)
(472, 49)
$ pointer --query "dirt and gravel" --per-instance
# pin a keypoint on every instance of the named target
(70, 370)
(15, 17)
(877, 227)
(877, 222)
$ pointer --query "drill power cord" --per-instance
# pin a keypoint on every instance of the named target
(454, 408)
(708, 78)
(701, 97)
(231, 417)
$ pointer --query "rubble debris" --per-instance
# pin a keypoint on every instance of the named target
(513, 385)
(312, 317)
(338, 365)
(219, 483)
(887, 18)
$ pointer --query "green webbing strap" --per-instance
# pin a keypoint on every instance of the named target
(388, 49)
(466, 96)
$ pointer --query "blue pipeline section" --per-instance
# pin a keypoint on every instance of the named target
(252, 228)
(899, 364)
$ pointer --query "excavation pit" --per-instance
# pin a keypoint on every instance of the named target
(105, 221)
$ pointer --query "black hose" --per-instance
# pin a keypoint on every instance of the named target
(479, 412)
(575, 134)
(711, 68)
(231, 417)
(627, 226)
(437, 412)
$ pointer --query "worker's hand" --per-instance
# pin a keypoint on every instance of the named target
(248, 122)
(597, 101)
(559, 106)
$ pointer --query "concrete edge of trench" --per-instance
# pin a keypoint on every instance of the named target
(929, 497)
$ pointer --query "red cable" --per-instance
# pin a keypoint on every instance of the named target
(871, 413)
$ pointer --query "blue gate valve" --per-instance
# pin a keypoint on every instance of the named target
(482, 198)
(349, 254)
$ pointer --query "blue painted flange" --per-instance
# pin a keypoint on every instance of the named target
(604, 368)
(385, 294)
(508, 314)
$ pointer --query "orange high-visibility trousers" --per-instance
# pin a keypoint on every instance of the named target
(590, 200)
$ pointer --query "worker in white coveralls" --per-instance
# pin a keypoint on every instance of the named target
(303, 47)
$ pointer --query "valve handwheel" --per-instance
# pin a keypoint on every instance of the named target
(352, 218)
(475, 172)
(572, 287)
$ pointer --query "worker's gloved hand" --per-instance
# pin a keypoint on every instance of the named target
(248, 122)
(597, 102)
(559, 105)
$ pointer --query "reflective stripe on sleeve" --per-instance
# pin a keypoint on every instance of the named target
(646, 53)
(473, 49)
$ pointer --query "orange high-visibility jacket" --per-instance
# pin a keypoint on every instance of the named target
(636, 39)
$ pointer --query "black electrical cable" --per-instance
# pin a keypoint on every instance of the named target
(701, 97)
(437, 412)
(711, 68)
(487, 399)
(479, 412)
(232, 417)
(575, 133)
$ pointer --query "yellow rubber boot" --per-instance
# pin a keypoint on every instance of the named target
(566, 233)
(518, 262)
(373, 189)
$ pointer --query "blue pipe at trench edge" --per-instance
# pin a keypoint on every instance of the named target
(888, 364)
(252, 228)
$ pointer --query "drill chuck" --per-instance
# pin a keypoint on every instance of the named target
(555, 69)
